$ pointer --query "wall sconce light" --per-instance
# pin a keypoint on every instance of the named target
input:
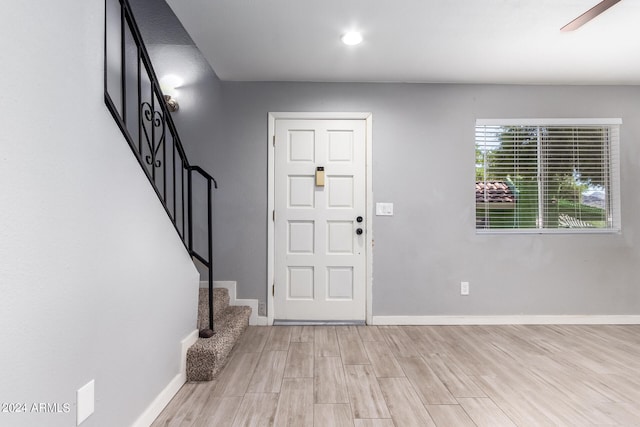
(172, 104)
(168, 85)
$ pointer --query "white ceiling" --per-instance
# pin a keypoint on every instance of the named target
(440, 41)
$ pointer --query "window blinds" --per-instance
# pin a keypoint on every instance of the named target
(547, 176)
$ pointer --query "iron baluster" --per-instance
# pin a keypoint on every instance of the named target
(154, 122)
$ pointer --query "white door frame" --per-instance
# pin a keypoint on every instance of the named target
(367, 117)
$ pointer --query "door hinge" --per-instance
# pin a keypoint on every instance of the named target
(273, 216)
(273, 290)
(274, 140)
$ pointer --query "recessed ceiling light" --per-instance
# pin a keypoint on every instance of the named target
(352, 38)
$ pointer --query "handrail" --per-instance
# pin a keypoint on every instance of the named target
(204, 174)
(146, 124)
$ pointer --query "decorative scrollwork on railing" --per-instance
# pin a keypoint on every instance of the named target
(164, 162)
(152, 119)
(150, 161)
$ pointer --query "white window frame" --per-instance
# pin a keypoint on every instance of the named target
(614, 174)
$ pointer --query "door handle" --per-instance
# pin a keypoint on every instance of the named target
(359, 219)
(359, 231)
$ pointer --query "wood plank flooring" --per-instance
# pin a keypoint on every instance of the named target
(457, 376)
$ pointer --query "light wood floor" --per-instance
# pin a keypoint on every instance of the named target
(403, 376)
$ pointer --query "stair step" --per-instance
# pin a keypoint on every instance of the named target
(220, 303)
(208, 355)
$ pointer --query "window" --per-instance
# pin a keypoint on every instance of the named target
(547, 176)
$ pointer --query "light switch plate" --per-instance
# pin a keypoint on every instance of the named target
(85, 402)
(384, 209)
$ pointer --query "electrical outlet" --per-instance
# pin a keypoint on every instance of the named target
(262, 308)
(464, 288)
(85, 401)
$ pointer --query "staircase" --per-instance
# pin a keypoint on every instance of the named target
(132, 94)
(208, 355)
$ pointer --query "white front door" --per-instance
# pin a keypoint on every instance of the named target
(319, 254)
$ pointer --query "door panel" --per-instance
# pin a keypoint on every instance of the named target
(320, 259)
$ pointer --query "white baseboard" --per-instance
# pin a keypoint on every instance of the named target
(263, 321)
(509, 320)
(231, 286)
(185, 344)
(165, 396)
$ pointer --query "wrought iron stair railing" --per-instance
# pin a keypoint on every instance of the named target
(133, 96)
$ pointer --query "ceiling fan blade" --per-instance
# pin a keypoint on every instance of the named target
(589, 15)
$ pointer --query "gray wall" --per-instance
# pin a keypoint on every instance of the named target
(94, 281)
(423, 162)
